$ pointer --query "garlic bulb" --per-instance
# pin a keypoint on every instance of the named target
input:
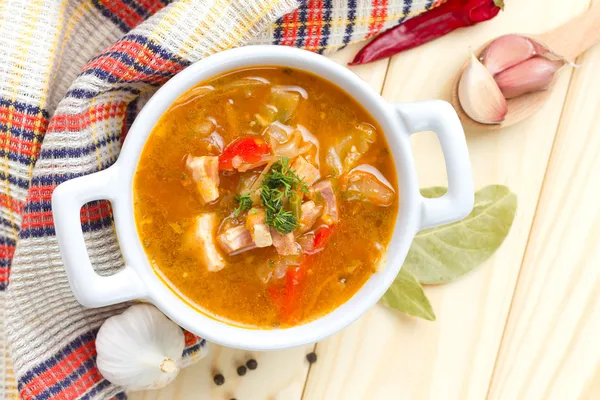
(139, 349)
(479, 95)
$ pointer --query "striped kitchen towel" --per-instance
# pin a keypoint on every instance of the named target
(73, 74)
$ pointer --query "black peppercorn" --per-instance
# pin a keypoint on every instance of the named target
(241, 370)
(252, 364)
(311, 357)
(219, 379)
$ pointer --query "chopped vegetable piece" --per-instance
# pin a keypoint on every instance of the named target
(351, 158)
(290, 148)
(205, 173)
(307, 242)
(366, 183)
(288, 296)
(322, 238)
(246, 150)
(346, 154)
(245, 85)
(312, 243)
(232, 119)
(246, 182)
(259, 230)
(204, 128)
(295, 203)
(244, 204)
(267, 116)
(332, 159)
(278, 133)
(291, 142)
(285, 102)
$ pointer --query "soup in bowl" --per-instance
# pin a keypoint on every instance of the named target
(264, 198)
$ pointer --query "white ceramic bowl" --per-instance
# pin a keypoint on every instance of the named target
(138, 281)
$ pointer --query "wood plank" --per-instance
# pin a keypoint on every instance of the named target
(387, 355)
(551, 348)
(281, 374)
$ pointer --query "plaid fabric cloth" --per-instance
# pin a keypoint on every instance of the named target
(73, 75)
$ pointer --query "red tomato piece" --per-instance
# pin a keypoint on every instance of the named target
(249, 149)
(287, 297)
(322, 238)
(294, 286)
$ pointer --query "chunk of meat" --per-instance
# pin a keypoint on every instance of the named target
(306, 171)
(236, 240)
(323, 194)
(255, 223)
(202, 235)
(284, 244)
(205, 174)
(310, 212)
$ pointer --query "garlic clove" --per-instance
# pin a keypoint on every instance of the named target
(544, 51)
(530, 76)
(508, 51)
(479, 95)
(140, 348)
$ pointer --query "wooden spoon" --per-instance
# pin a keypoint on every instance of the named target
(569, 41)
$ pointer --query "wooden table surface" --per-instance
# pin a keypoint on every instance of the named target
(526, 324)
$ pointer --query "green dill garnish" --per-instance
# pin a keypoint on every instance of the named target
(279, 185)
(282, 176)
(284, 221)
(244, 204)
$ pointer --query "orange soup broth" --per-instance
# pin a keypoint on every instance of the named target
(165, 206)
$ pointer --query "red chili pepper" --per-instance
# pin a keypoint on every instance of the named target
(249, 149)
(322, 238)
(428, 26)
(294, 286)
(286, 298)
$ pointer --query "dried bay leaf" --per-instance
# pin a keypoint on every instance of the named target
(445, 253)
(406, 295)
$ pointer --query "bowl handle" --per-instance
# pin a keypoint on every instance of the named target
(439, 116)
(89, 288)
